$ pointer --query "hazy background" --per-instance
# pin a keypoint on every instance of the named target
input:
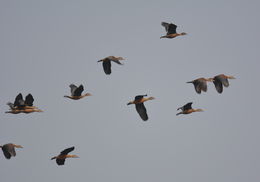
(47, 45)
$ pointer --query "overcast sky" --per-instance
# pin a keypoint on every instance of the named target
(47, 45)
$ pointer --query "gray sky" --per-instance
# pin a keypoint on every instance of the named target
(47, 45)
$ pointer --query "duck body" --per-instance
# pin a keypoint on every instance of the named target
(200, 84)
(139, 105)
(76, 92)
(220, 81)
(9, 150)
(60, 159)
(171, 31)
(187, 109)
(106, 62)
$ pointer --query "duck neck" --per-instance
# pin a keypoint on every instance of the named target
(149, 98)
(197, 110)
(71, 156)
(230, 77)
(87, 94)
(18, 146)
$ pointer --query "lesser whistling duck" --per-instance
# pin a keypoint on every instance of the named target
(76, 92)
(22, 106)
(107, 63)
(60, 159)
(9, 150)
(171, 30)
(187, 109)
(200, 84)
(139, 105)
(221, 80)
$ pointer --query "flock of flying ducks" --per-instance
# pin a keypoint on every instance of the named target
(26, 106)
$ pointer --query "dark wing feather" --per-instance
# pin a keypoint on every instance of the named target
(7, 154)
(12, 151)
(224, 81)
(140, 108)
(165, 25)
(172, 29)
(60, 161)
(19, 100)
(200, 85)
(29, 100)
(203, 86)
(169, 27)
(197, 89)
(78, 91)
(218, 85)
(197, 86)
(66, 151)
(187, 106)
(72, 89)
(107, 67)
(9, 151)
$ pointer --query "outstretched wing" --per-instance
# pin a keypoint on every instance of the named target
(200, 85)
(12, 151)
(203, 86)
(224, 81)
(187, 106)
(170, 27)
(60, 161)
(107, 67)
(8, 151)
(165, 25)
(19, 100)
(78, 91)
(72, 89)
(66, 151)
(218, 85)
(29, 100)
(197, 86)
(7, 155)
(140, 108)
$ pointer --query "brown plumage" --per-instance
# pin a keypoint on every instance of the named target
(171, 30)
(26, 111)
(9, 150)
(60, 159)
(139, 105)
(107, 63)
(187, 109)
(221, 80)
(200, 84)
(76, 92)
(22, 106)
